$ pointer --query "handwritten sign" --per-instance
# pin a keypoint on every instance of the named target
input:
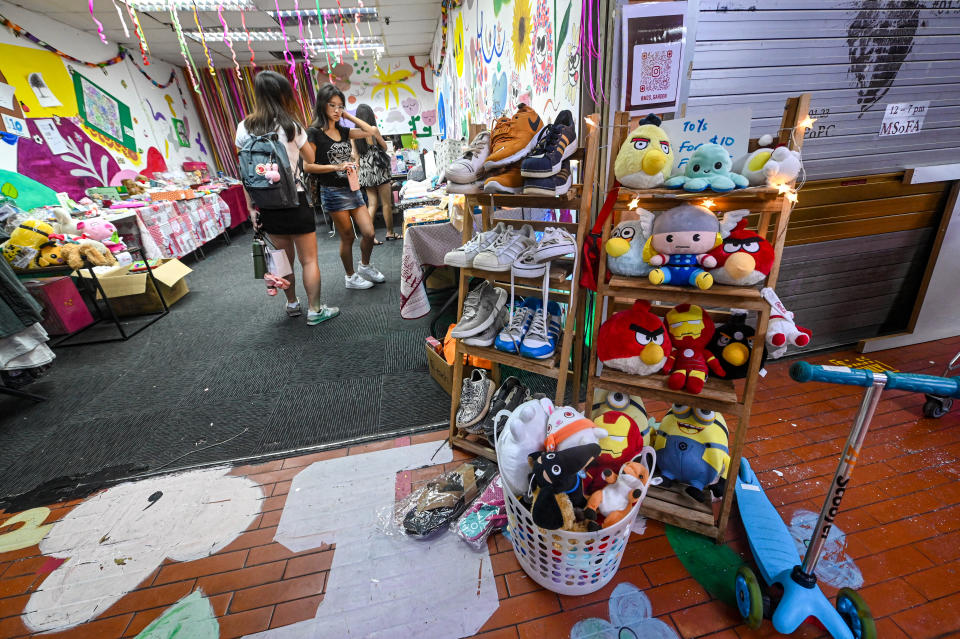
(15, 125)
(904, 118)
(730, 129)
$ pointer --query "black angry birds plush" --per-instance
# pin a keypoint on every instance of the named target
(558, 497)
(731, 345)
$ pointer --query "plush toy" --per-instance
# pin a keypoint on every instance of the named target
(50, 255)
(65, 224)
(679, 245)
(634, 341)
(274, 282)
(646, 158)
(731, 345)
(693, 448)
(25, 241)
(558, 497)
(709, 167)
(567, 428)
(522, 435)
(769, 166)
(625, 246)
(133, 187)
(623, 490)
(625, 420)
(97, 228)
(743, 258)
(74, 255)
(781, 330)
(690, 331)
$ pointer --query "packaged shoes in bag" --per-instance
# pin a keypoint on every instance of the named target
(484, 516)
(433, 506)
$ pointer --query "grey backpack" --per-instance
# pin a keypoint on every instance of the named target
(257, 155)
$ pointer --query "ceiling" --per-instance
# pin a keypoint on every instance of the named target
(410, 32)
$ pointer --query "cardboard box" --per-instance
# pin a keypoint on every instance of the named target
(64, 310)
(442, 372)
(132, 293)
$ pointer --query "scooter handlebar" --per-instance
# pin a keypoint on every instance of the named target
(929, 384)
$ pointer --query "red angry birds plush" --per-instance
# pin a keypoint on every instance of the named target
(743, 259)
(634, 341)
(628, 431)
(690, 329)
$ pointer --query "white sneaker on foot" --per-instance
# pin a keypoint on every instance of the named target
(370, 272)
(356, 281)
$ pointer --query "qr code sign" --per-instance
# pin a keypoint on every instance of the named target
(655, 70)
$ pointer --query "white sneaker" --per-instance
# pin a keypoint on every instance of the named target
(370, 273)
(356, 281)
(463, 257)
(470, 188)
(555, 243)
(468, 168)
(506, 249)
(527, 265)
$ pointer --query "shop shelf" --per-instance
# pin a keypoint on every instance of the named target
(719, 295)
(718, 394)
(549, 367)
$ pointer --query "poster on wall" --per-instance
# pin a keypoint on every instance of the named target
(182, 138)
(40, 89)
(653, 39)
(103, 112)
(904, 118)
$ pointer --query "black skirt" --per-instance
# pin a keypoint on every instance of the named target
(293, 221)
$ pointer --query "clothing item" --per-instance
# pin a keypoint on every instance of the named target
(340, 198)
(475, 396)
(26, 349)
(507, 181)
(553, 186)
(510, 338)
(463, 257)
(480, 310)
(557, 143)
(18, 309)
(374, 167)
(293, 221)
(330, 151)
(370, 273)
(356, 281)
(325, 313)
(469, 168)
(540, 342)
(506, 249)
(293, 147)
(487, 337)
(513, 138)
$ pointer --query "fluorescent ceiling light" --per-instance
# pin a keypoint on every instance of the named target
(275, 35)
(365, 13)
(201, 5)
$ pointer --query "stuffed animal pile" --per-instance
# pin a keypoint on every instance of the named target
(35, 244)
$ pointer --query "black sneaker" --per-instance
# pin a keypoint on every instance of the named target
(557, 143)
(553, 186)
(511, 394)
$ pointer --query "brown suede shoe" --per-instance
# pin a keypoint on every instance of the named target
(513, 138)
(507, 181)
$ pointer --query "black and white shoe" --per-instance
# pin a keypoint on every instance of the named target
(511, 394)
(475, 396)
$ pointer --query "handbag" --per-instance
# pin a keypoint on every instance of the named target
(590, 259)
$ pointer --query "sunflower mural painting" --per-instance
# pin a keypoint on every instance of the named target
(458, 44)
(520, 35)
(541, 60)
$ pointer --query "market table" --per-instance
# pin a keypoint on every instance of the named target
(236, 199)
(176, 228)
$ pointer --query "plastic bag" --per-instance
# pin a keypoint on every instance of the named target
(485, 516)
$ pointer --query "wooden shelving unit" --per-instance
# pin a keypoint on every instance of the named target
(563, 287)
(769, 215)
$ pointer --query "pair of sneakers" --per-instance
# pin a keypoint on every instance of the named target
(365, 276)
(534, 330)
(481, 309)
(493, 250)
(313, 317)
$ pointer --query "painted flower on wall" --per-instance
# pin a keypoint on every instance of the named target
(520, 36)
(390, 82)
(458, 44)
(542, 55)
(569, 68)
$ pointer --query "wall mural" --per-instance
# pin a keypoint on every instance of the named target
(506, 52)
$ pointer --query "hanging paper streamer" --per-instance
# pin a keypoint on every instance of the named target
(369, 28)
(343, 32)
(287, 56)
(326, 47)
(185, 51)
(144, 48)
(226, 38)
(123, 23)
(243, 21)
(203, 39)
(303, 44)
(99, 24)
(20, 31)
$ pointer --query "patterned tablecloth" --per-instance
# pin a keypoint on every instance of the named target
(174, 229)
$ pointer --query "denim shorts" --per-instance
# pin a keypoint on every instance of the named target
(340, 198)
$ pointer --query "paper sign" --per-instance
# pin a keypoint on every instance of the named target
(17, 126)
(45, 96)
(904, 118)
(6, 96)
(51, 134)
(730, 129)
(652, 40)
(656, 73)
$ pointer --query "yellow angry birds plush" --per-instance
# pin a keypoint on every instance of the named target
(646, 158)
(24, 244)
(692, 447)
(628, 431)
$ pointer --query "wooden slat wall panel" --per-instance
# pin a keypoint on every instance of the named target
(854, 57)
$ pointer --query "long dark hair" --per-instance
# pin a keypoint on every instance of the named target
(365, 113)
(326, 93)
(275, 105)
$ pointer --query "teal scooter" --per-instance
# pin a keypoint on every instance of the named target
(770, 542)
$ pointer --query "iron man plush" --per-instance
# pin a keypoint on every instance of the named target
(690, 331)
(628, 431)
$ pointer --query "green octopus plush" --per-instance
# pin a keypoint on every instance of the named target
(708, 167)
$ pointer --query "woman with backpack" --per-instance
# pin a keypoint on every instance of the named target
(375, 171)
(293, 228)
(336, 171)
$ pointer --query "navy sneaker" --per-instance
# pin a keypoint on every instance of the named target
(557, 143)
(510, 338)
(540, 342)
(553, 186)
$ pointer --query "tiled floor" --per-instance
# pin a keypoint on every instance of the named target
(902, 519)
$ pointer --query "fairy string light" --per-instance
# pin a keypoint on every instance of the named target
(185, 51)
(203, 40)
(243, 21)
(227, 40)
(144, 47)
(287, 56)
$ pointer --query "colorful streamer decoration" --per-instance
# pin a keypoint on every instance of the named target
(20, 31)
(203, 39)
(369, 28)
(326, 47)
(164, 85)
(144, 48)
(243, 21)
(287, 56)
(123, 23)
(226, 38)
(99, 24)
(185, 51)
(303, 45)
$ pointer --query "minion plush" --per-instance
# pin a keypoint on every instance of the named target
(628, 431)
(634, 341)
(646, 157)
(625, 246)
(679, 246)
(690, 331)
(693, 448)
(25, 242)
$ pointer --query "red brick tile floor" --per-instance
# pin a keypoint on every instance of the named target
(902, 517)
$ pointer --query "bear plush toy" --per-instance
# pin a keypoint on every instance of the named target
(679, 247)
(622, 491)
(634, 341)
(690, 331)
(646, 158)
(625, 420)
(693, 448)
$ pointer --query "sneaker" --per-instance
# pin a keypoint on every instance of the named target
(501, 255)
(487, 337)
(356, 281)
(554, 186)
(480, 310)
(325, 313)
(370, 273)
(540, 342)
(510, 395)
(468, 168)
(513, 138)
(527, 264)
(558, 142)
(555, 243)
(475, 396)
(294, 310)
(511, 337)
(471, 188)
(507, 181)
(463, 257)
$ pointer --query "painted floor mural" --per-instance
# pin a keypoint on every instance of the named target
(293, 548)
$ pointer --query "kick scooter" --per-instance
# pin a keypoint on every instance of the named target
(770, 542)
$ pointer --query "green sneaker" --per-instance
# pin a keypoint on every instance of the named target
(325, 313)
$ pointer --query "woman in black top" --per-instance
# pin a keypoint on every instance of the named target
(334, 160)
(375, 171)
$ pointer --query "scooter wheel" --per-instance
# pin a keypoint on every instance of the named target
(856, 614)
(749, 597)
(936, 408)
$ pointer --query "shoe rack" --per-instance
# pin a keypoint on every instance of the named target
(563, 287)
(769, 216)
